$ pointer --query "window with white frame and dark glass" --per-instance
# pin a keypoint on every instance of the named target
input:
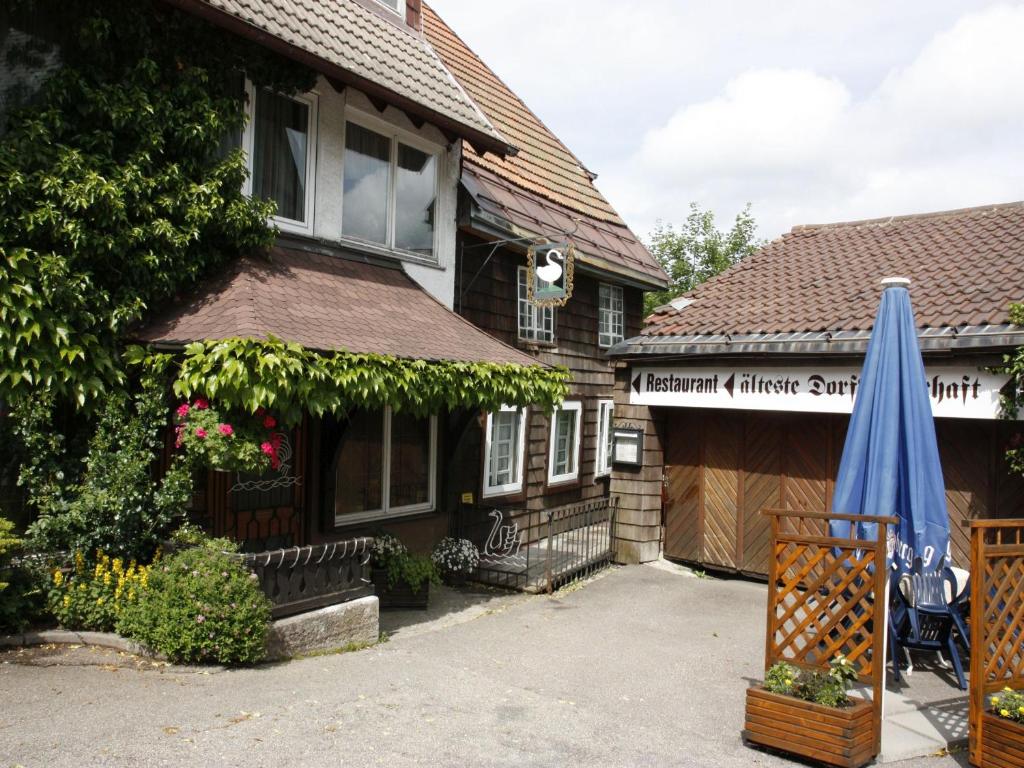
(535, 323)
(503, 452)
(384, 466)
(564, 448)
(605, 409)
(390, 191)
(610, 322)
(281, 140)
(398, 6)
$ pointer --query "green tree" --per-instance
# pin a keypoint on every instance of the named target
(698, 250)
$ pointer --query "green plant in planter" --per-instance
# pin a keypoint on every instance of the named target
(213, 439)
(1009, 705)
(826, 688)
(392, 556)
(201, 605)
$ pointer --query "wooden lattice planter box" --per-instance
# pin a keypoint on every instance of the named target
(1002, 742)
(401, 595)
(843, 737)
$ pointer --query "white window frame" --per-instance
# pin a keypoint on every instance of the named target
(568, 477)
(609, 317)
(395, 135)
(490, 491)
(603, 460)
(312, 101)
(386, 510)
(535, 332)
(400, 10)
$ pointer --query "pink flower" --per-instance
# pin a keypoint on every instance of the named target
(201, 404)
(226, 429)
(182, 410)
(269, 422)
(200, 619)
(260, 411)
(267, 448)
(200, 433)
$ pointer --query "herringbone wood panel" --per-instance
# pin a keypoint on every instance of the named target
(762, 488)
(721, 488)
(965, 455)
(807, 467)
(683, 475)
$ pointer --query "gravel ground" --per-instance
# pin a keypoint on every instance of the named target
(641, 666)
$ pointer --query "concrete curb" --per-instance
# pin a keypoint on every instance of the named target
(67, 637)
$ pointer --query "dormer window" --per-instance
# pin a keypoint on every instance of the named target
(390, 190)
(398, 6)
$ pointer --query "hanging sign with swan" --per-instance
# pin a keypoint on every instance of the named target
(549, 273)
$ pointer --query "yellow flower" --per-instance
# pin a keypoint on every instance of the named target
(107, 578)
(1021, 710)
(58, 578)
(994, 701)
(79, 563)
(67, 601)
(789, 681)
(1004, 712)
(99, 601)
(1007, 689)
(118, 565)
(81, 587)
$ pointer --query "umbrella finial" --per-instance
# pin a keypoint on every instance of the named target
(896, 282)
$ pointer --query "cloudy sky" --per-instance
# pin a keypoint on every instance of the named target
(811, 110)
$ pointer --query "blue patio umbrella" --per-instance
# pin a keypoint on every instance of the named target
(890, 464)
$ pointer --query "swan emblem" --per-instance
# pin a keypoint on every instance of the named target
(550, 272)
(503, 540)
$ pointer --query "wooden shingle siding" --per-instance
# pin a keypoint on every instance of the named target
(491, 303)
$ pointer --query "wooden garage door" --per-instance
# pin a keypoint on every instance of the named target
(683, 487)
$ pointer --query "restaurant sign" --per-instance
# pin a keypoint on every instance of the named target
(961, 392)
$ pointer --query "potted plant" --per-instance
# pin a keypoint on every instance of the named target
(401, 580)
(455, 560)
(1002, 729)
(811, 714)
(246, 443)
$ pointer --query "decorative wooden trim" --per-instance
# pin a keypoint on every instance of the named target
(1002, 742)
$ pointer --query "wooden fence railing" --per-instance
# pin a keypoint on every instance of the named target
(997, 632)
(826, 596)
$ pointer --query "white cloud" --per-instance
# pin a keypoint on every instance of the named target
(941, 131)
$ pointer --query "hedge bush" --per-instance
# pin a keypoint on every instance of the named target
(201, 605)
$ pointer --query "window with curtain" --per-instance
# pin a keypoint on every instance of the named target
(605, 409)
(390, 191)
(563, 455)
(281, 128)
(503, 452)
(384, 465)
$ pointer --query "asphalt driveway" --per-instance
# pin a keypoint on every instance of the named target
(642, 666)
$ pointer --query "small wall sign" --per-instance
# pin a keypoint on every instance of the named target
(627, 446)
(549, 274)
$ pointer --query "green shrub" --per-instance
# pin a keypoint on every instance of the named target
(393, 556)
(20, 594)
(202, 605)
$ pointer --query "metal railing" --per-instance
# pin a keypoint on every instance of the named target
(540, 550)
(302, 579)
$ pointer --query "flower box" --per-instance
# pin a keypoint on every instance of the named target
(401, 595)
(837, 736)
(1002, 742)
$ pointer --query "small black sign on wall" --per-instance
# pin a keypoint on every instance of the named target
(628, 446)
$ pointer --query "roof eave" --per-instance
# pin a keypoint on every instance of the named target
(481, 141)
(488, 225)
(977, 339)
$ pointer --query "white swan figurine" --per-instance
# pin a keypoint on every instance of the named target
(550, 272)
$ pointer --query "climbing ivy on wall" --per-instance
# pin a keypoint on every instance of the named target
(250, 373)
(114, 191)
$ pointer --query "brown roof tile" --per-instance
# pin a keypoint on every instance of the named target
(544, 182)
(347, 35)
(328, 303)
(966, 267)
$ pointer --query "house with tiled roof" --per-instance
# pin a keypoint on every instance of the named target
(530, 462)
(409, 184)
(744, 386)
